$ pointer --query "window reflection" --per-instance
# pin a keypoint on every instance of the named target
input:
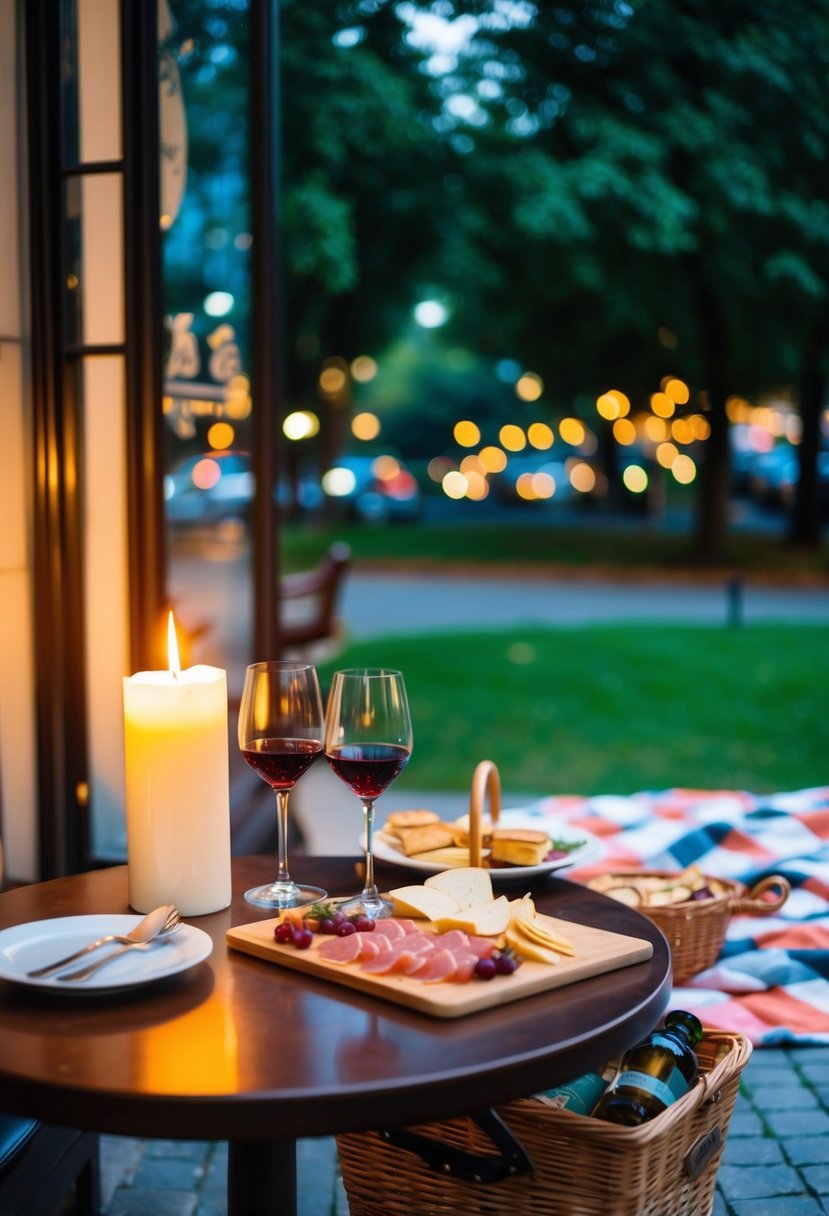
(204, 80)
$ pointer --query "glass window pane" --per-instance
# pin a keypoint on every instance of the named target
(206, 219)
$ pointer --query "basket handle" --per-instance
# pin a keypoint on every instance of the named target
(753, 904)
(511, 1161)
(486, 781)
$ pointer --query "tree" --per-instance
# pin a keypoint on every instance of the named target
(607, 191)
(655, 168)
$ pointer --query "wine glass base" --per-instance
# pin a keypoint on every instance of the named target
(284, 895)
(374, 907)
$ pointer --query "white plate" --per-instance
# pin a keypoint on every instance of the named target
(523, 817)
(26, 947)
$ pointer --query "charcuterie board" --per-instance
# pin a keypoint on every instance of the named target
(597, 951)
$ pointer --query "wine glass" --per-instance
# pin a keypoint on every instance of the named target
(280, 736)
(368, 741)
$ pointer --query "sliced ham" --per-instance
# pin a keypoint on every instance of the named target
(342, 949)
(452, 938)
(484, 947)
(387, 960)
(440, 966)
(392, 929)
(408, 962)
(371, 948)
(465, 961)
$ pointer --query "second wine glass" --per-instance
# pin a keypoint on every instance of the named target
(280, 736)
(368, 741)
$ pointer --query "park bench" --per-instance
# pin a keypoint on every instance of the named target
(309, 600)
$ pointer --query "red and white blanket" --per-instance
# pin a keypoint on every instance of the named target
(771, 981)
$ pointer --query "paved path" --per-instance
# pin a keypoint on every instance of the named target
(776, 1160)
(375, 604)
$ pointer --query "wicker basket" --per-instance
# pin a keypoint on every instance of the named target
(695, 929)
(580, 1166)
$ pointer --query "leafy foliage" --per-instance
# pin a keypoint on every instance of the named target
(606, 191)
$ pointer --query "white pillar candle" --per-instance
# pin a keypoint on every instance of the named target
(177, 789)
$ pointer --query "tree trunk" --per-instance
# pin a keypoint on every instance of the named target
(804, 523)
(714, 475)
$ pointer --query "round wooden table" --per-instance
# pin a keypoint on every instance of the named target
(240, 1049)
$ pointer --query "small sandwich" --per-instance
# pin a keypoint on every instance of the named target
(460, 830)
(410, 819)
(424, 838)
(402, 821)
(519, 846)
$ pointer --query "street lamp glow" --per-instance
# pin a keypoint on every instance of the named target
(512, 437)
(431, 314)
(454, 485)
(529, 386)
(338, 482)
(540, 435)
(635, 479)
(301, 424)
(467, 434)
(365, 426)
(218, 303)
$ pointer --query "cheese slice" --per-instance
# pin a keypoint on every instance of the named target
(423, 902)
(468, 885)
(529, 949)
(483, 920)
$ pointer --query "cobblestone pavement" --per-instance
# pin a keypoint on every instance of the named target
(776, 1160)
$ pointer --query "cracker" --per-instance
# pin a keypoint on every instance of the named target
(411, 819)
(423, 839)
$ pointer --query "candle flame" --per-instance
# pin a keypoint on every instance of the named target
(173, 660)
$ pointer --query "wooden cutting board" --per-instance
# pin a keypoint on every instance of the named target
(597, 951)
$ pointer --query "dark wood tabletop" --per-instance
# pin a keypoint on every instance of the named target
(241, 1049)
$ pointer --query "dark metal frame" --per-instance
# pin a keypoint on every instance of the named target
(144, 304)
(266, 380)
(60, 683)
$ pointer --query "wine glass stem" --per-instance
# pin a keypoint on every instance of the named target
(282, 874)
(370, 887)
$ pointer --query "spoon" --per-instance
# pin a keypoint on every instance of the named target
(170, 925)
(157, 921)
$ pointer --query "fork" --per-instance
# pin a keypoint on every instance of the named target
(82, 973)
(162, 920)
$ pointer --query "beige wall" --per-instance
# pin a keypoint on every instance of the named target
(104, 439)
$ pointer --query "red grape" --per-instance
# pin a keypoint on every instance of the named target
(485, 968)
(345, 929)
(505, 964)
(363, 924)
(303, 938)
(284, 932)
(328, 926)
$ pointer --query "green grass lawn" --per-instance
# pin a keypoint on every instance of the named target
(614, 709)
(627, 545)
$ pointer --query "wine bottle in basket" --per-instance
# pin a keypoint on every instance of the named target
(654, 1073)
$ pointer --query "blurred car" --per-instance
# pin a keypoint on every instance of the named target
(774, 475)
(209, 488)
(374, 489)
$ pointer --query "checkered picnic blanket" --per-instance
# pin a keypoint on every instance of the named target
(771, 980)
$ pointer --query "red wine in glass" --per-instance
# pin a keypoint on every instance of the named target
(280, 734)
(368, 768)
(368, 741)
(281, 762)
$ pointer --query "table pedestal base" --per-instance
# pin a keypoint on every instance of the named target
(261, 1178)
